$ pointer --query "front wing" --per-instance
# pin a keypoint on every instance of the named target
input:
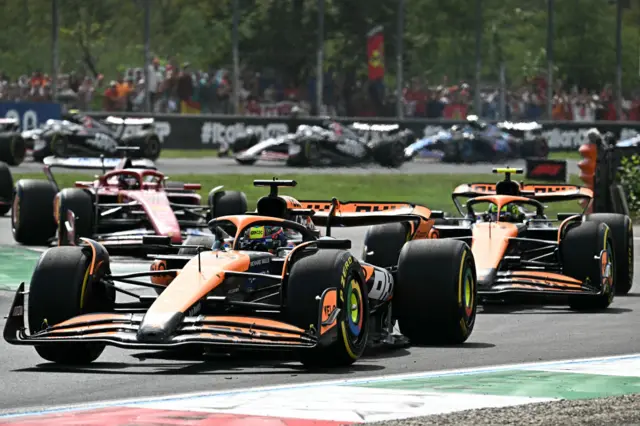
(121, 330)
(522, 283)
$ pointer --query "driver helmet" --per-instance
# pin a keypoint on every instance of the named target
(264, 238)
(508, 213)
(128, 182)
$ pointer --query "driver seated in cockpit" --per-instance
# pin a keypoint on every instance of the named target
(267, 239)
(128, 182)
(510, 212)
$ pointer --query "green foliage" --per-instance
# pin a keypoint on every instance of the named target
(629, 177)
(106, 36)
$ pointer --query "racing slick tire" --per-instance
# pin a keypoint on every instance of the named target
(151, 147)
(226, 203)
(383, 243)
(537, 148)
(59, 145)
(80, 203)
(62, 275)
(580, 251)
(436, 293)
(622, 233)
(33, 219)
(13, 150)
(310, 277)
(390, 154)
(309, 155)
(6, 188)
(246, 161)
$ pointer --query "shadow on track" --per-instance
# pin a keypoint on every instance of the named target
(546, 310)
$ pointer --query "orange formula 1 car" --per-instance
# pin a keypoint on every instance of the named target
(266, 280)
(522, 255)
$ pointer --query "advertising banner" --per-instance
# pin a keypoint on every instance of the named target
(375, 53)
(30, 114)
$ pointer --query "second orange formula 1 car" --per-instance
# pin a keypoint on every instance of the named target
(524, 256)
(266, 281)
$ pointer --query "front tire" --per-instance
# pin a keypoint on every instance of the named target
(62, 275)
(436, 295)
(80, 203)
(580, 249)
(6, 188)
(310, 277)
(622, 233)
(32, 219)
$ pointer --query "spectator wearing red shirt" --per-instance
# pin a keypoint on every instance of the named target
(416, 98)
(111, 100)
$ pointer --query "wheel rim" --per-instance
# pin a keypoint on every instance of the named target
(15, 212)
(607, 270)
(354, 309)
(468, 292)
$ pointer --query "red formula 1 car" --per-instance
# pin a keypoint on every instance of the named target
(117, 209)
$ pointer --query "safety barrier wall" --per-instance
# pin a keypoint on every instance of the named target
(210, 131)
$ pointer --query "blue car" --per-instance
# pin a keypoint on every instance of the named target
(479, 141)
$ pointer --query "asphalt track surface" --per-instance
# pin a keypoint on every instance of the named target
(501, 336)
(214, 165)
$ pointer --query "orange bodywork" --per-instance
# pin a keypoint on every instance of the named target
(490, 241)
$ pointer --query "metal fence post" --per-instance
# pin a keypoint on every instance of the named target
(399, 56)
(619, 59)
(320, 59)
(55, 24)
(477, 101)
(147, 55)
(550, 84)
(235, 41)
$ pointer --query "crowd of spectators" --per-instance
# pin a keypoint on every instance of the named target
(178, 88)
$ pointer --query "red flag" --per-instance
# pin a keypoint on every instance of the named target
(375, 53)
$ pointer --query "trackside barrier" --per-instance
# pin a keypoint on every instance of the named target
(599, 171)
(207, 131)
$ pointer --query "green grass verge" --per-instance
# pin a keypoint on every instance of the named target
(565, 155)
(188, 153)
(434, 191)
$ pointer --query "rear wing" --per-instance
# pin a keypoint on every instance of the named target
(129, 121)
(363, 213)
(540, 192)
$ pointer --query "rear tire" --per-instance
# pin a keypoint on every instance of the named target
(390, 154)
(6, 188)
(578, 249)
(436, 294)
(80, 203)
(151, 148)
(13, 150)
(622, 233)
(227, 203)
(32, 220)
(309, 278)
(61, 275)
(384, 242)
